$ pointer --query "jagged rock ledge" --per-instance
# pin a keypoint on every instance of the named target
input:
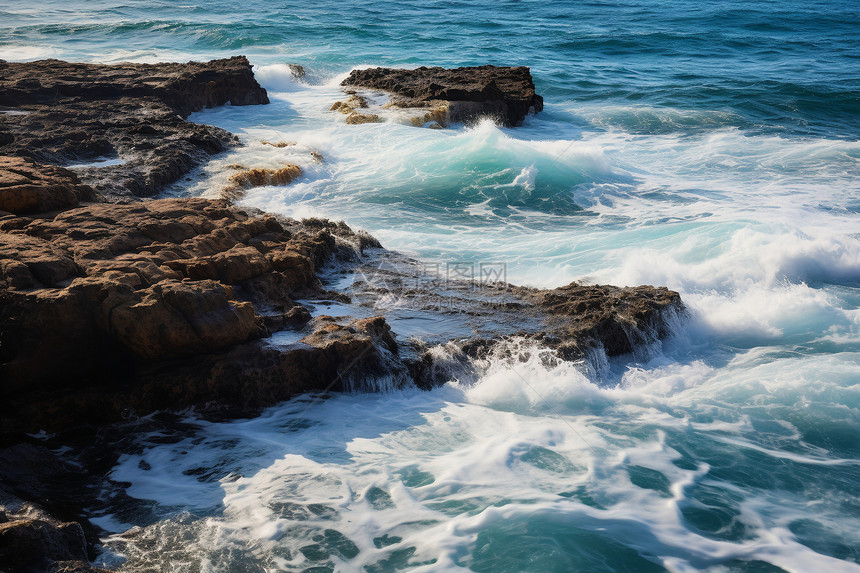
(103, 305)
(59, 113)
(459, 95)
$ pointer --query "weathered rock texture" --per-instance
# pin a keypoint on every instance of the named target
(34, 541)
(248, 178)
(506, 94)
(579, 317)
(109, 309)
(349, 107)
(485, 319)
(72, 113)
(119, 298)
(27, 187)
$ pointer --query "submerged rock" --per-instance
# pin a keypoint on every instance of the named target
(466, 94)
(297, 70)
(279, 144)
(480, 320)
(349, 107)
(131, 113)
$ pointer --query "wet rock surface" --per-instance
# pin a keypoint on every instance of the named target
(480, 318)
(617, 320)
(465, 94)
(35, 542)
(70, 113)
(245, 179)
(103, 302)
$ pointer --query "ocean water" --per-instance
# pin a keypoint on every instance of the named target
(708, 147)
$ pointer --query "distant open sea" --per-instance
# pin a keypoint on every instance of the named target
(711, 147)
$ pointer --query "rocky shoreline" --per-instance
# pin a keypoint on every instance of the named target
(112, 307)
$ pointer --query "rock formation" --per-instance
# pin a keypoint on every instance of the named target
(577, 322)
(108, 293)
(31, 537)
(617, 320)
(167, 303)
(349, 107)
(506, 94)
(27, 187)
(78, 113)
(248, 178)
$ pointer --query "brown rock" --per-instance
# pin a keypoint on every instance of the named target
(505, 93)
(353, 102)
(259, 177)
(31, 539)
(437, 116)
(77, 113)
(27, 187)
(359, 118)
(334, 357)
(619, 319)
(243, 180)
(172, 319)
(279, 144)
(95, 296)
(32, 544)
(577, 321)
(184, 87)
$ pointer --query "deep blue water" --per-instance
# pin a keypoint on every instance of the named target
(778, 65)
(709, 147)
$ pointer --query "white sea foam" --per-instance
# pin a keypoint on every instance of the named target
(435, 472)
(22, 53)
(277, 78)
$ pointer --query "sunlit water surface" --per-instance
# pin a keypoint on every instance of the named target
(711, 148)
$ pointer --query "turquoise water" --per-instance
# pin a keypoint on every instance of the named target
(712, 148)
